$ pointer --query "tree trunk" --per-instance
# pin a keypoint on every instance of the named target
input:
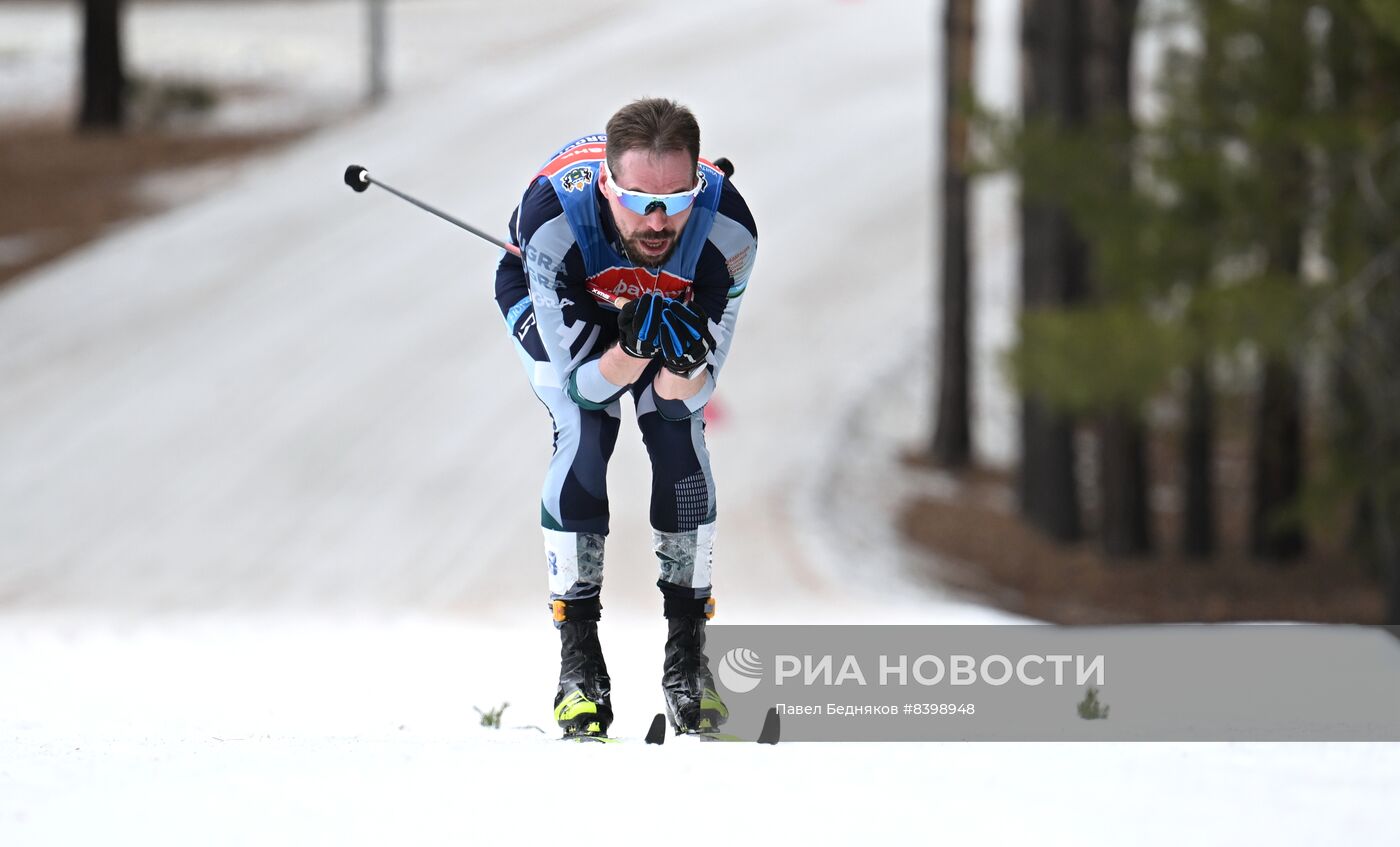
(1199, 535)
(1278, 478)
(1274, 534)
(1123, 479)
(1284, 165)
(1108, 63)
(1392, 614)
(1388, 544)
(1123, 485)
(1198, 473)
(376, 24)
(1052, 259)
(104, 82)
(1049, 495)
(952, 438)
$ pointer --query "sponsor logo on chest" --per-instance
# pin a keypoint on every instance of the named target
(633, 283)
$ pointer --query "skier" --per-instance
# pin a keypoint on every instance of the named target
(636, 255)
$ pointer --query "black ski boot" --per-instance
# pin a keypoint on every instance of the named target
(582, 705)
(692, 703)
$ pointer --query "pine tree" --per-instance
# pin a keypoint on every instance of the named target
(1124, 523)
(1277, 85)
(1360, 315)
(1277, 147)
(1052, 260)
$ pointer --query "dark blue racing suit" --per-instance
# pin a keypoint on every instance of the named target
(557, 303)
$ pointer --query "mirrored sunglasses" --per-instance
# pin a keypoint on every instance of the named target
(644, 204)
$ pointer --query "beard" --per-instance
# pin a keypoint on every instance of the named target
(642, 256)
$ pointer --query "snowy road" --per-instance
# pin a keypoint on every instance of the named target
(270, 474)
(290, 396)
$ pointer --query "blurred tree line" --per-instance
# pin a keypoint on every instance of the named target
(1239, 240)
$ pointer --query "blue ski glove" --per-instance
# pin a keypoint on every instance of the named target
(639, 324)
(684, 338)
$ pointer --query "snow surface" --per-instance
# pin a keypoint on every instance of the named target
(270, 465)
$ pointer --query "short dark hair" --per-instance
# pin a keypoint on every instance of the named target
(654, 124)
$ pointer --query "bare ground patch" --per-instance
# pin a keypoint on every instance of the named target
(63, 189)
(977, 544)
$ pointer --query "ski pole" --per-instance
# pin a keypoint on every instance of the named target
(359, 179)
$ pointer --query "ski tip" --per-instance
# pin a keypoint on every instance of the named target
(772, 727)
(657, 733)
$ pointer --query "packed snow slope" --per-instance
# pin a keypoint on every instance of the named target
(269, 496)
(291, 396)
